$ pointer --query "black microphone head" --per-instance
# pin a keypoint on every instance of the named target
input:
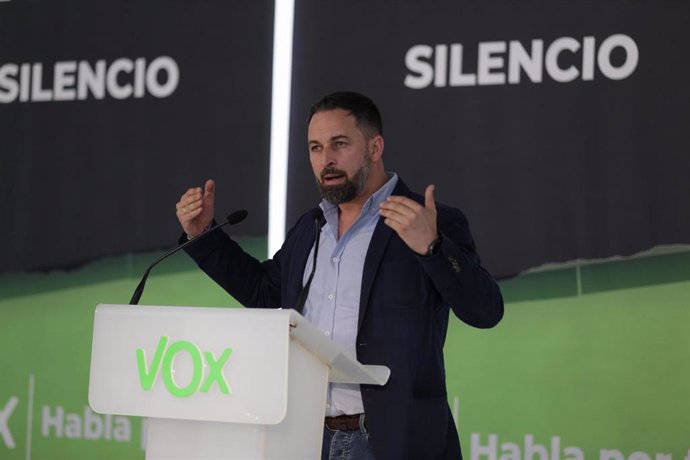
(237, 216)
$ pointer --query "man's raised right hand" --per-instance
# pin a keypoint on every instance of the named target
(195, 209)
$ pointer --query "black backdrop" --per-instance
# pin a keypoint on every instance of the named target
(546, 171)
(81, 179)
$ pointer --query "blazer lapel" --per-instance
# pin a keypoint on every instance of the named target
(298, 261)
(379, 241)
(377, 247)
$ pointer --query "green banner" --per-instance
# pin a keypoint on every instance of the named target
(590, 362)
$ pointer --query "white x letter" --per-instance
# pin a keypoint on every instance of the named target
(4, 417)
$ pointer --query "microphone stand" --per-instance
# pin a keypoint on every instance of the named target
(234, 218)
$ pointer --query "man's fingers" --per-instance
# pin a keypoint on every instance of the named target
(429, 201)
(190, 215)
(403, 201)
(397, 208)
(195, 193)
(209, 193)
(402, 205)
(187, 205)
(210, 187)
(392, 223)
(195, 208)
(189, 192)
(394, 217)
(400, 222)
(191, 195)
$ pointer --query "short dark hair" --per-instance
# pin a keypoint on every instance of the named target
(361, 107)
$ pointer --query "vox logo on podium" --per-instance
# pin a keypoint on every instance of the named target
(179, 382)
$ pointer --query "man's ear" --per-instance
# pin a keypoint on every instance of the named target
(376, 147)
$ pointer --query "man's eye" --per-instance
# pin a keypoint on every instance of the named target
(315, 148)
(340, 144)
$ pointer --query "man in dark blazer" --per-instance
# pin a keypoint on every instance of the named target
(417, 261)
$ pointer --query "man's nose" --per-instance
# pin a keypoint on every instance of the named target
(328, 158)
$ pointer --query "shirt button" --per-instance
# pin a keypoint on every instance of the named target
(336, 259)
(330, 296)
(328, 333)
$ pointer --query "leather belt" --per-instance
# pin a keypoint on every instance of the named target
(343, 422)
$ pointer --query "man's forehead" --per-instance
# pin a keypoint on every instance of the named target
(331, 123)
(335, 117)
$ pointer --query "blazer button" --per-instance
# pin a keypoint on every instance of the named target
(454, 263)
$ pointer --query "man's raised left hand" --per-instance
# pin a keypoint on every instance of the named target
(414, 223)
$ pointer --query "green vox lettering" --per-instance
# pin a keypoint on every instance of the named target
(163, 363)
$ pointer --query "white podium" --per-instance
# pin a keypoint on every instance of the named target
(219, 383)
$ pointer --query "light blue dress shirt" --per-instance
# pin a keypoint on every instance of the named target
(333, 301)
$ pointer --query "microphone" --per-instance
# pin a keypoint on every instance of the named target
(234, 218)
(317, 215)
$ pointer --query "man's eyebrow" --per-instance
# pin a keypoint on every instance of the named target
(333, 138)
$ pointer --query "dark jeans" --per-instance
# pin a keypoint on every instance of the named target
(346, 445)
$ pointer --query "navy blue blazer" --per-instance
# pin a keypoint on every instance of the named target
(403, 318)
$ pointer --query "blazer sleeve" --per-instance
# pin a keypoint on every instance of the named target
(251, 282)
(458, 276)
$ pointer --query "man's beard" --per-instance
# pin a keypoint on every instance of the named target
(350, 189)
